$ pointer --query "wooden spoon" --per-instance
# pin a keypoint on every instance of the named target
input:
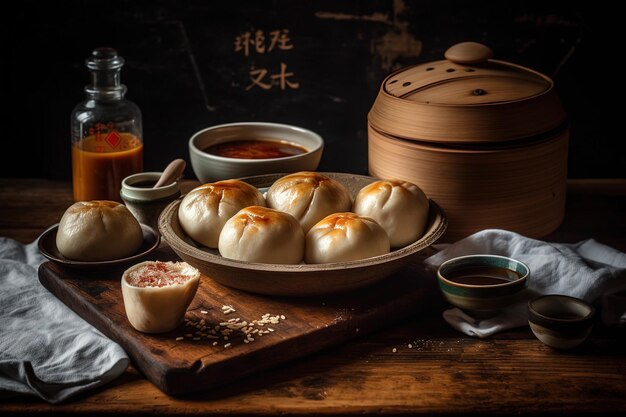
(171, 173)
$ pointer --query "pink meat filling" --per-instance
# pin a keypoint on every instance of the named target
(157, 274)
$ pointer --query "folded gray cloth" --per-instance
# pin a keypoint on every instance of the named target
(45, 348)
(587, 270)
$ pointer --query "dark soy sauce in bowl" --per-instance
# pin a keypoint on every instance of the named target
(144, 184)
(482, 275)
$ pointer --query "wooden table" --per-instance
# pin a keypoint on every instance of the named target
(443, 372)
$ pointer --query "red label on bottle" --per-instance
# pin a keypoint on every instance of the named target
(113, 139)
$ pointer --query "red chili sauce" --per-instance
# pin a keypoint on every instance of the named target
(255, 149)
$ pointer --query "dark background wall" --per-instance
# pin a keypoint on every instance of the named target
(185, 70)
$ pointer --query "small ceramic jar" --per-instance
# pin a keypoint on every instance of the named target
(147, 203)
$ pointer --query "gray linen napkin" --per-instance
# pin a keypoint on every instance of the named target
(588, 270)
(45, 348)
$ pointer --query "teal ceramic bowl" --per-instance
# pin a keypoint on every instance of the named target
(560, 321)
(482, 284)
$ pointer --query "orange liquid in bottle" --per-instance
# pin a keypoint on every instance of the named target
(98, 168)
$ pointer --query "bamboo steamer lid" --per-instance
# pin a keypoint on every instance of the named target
(486, 139)
(466, 98)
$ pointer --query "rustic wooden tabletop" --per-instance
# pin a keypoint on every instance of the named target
(416, 366)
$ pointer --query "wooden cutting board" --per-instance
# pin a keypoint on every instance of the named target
(180, 364)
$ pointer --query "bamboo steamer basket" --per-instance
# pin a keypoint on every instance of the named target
(486, 139)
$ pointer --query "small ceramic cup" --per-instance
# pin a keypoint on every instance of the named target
(482, 284)
(147, 203)
(560, 321)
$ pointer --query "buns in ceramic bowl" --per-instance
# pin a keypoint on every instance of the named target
(343, 237)
(400, 207)
(309, 197)
(261, 234)
(205, 209)
(302, 279)
(98, 230)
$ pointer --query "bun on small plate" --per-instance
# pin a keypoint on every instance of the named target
(98, 230)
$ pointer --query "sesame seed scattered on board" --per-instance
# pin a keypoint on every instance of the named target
(225, 329)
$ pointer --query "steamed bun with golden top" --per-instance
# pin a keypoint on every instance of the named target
(98, 230)
(261, 234)
(343, 237)
(309, 197)
(205, 209)
(400, 207)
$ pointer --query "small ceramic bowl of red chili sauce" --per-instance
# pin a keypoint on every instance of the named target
(246, 149)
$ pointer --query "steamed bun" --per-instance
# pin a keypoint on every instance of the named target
(400, 207)
(309, 197)
(260, 234)
(205, 209)
(98, 230)
(157, 294)
(343, 237)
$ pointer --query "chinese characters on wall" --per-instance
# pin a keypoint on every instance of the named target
(259, 42)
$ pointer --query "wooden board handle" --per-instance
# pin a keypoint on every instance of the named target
(468, 53)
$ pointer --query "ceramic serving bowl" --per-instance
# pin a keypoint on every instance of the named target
(560, 321)
(482, 284)
(209, 167)
(301, 279)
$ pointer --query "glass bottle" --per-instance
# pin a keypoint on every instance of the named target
(107, 143)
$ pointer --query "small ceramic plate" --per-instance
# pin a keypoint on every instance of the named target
(48, 248)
